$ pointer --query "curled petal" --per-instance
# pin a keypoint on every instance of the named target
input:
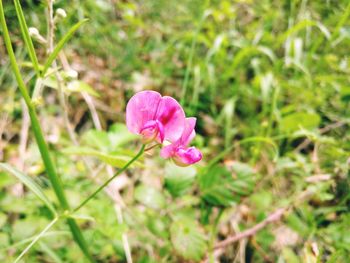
(168, 151)
(152, 130)
(188, 133)
(187, 156)
(171, 115)
(141, 108)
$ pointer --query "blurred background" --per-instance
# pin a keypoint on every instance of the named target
(269, 84)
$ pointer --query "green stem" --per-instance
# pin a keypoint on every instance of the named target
(213, 235)
(27, 40)
(43, 148)
(138, 155)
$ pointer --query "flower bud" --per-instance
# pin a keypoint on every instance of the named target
(34, 33)
(60, 13)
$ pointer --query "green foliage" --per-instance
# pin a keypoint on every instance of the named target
(179, 180)
(268, 82)
(149, 196)
(221, 187)
(30, 183)
(188, 239)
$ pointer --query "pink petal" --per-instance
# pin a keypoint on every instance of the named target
(141, 108)
(152, 130)
(168, 151)
(172, 116)
(188, 133)
(187, 156)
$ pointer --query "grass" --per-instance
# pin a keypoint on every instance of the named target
(268, 82)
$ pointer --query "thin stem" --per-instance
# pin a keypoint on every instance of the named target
(275, 216)
(36, 239)
(59, 80)
(43, 148)
(111, 179)
(213, 235)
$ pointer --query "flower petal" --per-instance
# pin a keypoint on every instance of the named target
(172, 116)
(187, 156)
(168, 151)
(189, 132)
(141, 108)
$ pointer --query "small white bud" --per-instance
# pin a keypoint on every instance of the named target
(71, 73)
(34, 33)
(61, 13)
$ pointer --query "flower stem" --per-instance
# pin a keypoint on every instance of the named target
(43, 148)
(138, 155)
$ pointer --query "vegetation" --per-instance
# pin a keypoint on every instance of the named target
(268, 83)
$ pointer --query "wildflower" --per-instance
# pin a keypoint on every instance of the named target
(155, 117)
(179, 150)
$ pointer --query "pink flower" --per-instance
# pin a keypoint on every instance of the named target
(155, 117)
(179, 150)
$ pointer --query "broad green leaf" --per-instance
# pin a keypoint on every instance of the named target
(61, 43)
(114, 159)
(96, 139)
(72, 86)
(299, 120)
(188, 239)
(178, 180)
(149, 196)
(221, 187)
(119, 135)
(30, 183)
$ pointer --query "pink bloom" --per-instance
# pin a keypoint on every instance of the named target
(179, 150)
(155, 117)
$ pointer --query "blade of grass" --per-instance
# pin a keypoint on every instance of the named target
(36, 239)
(341, 23)
(43, 148)
(191, 55)
(30, 183)
(27, 39)
(61, 43)
(50, 252)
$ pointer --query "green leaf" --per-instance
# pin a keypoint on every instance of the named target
(188, 239)
(119, 135)
(178, 180)
(220, 187)
(115, 159)
(3, 219)
(298, 120)
(96, 139)
(25, 33)
(4, 241)
(30, 183)
(251, 51)
(300, 26)
(149, 196)
(81, 86)
(61, 43)
(289, 256)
